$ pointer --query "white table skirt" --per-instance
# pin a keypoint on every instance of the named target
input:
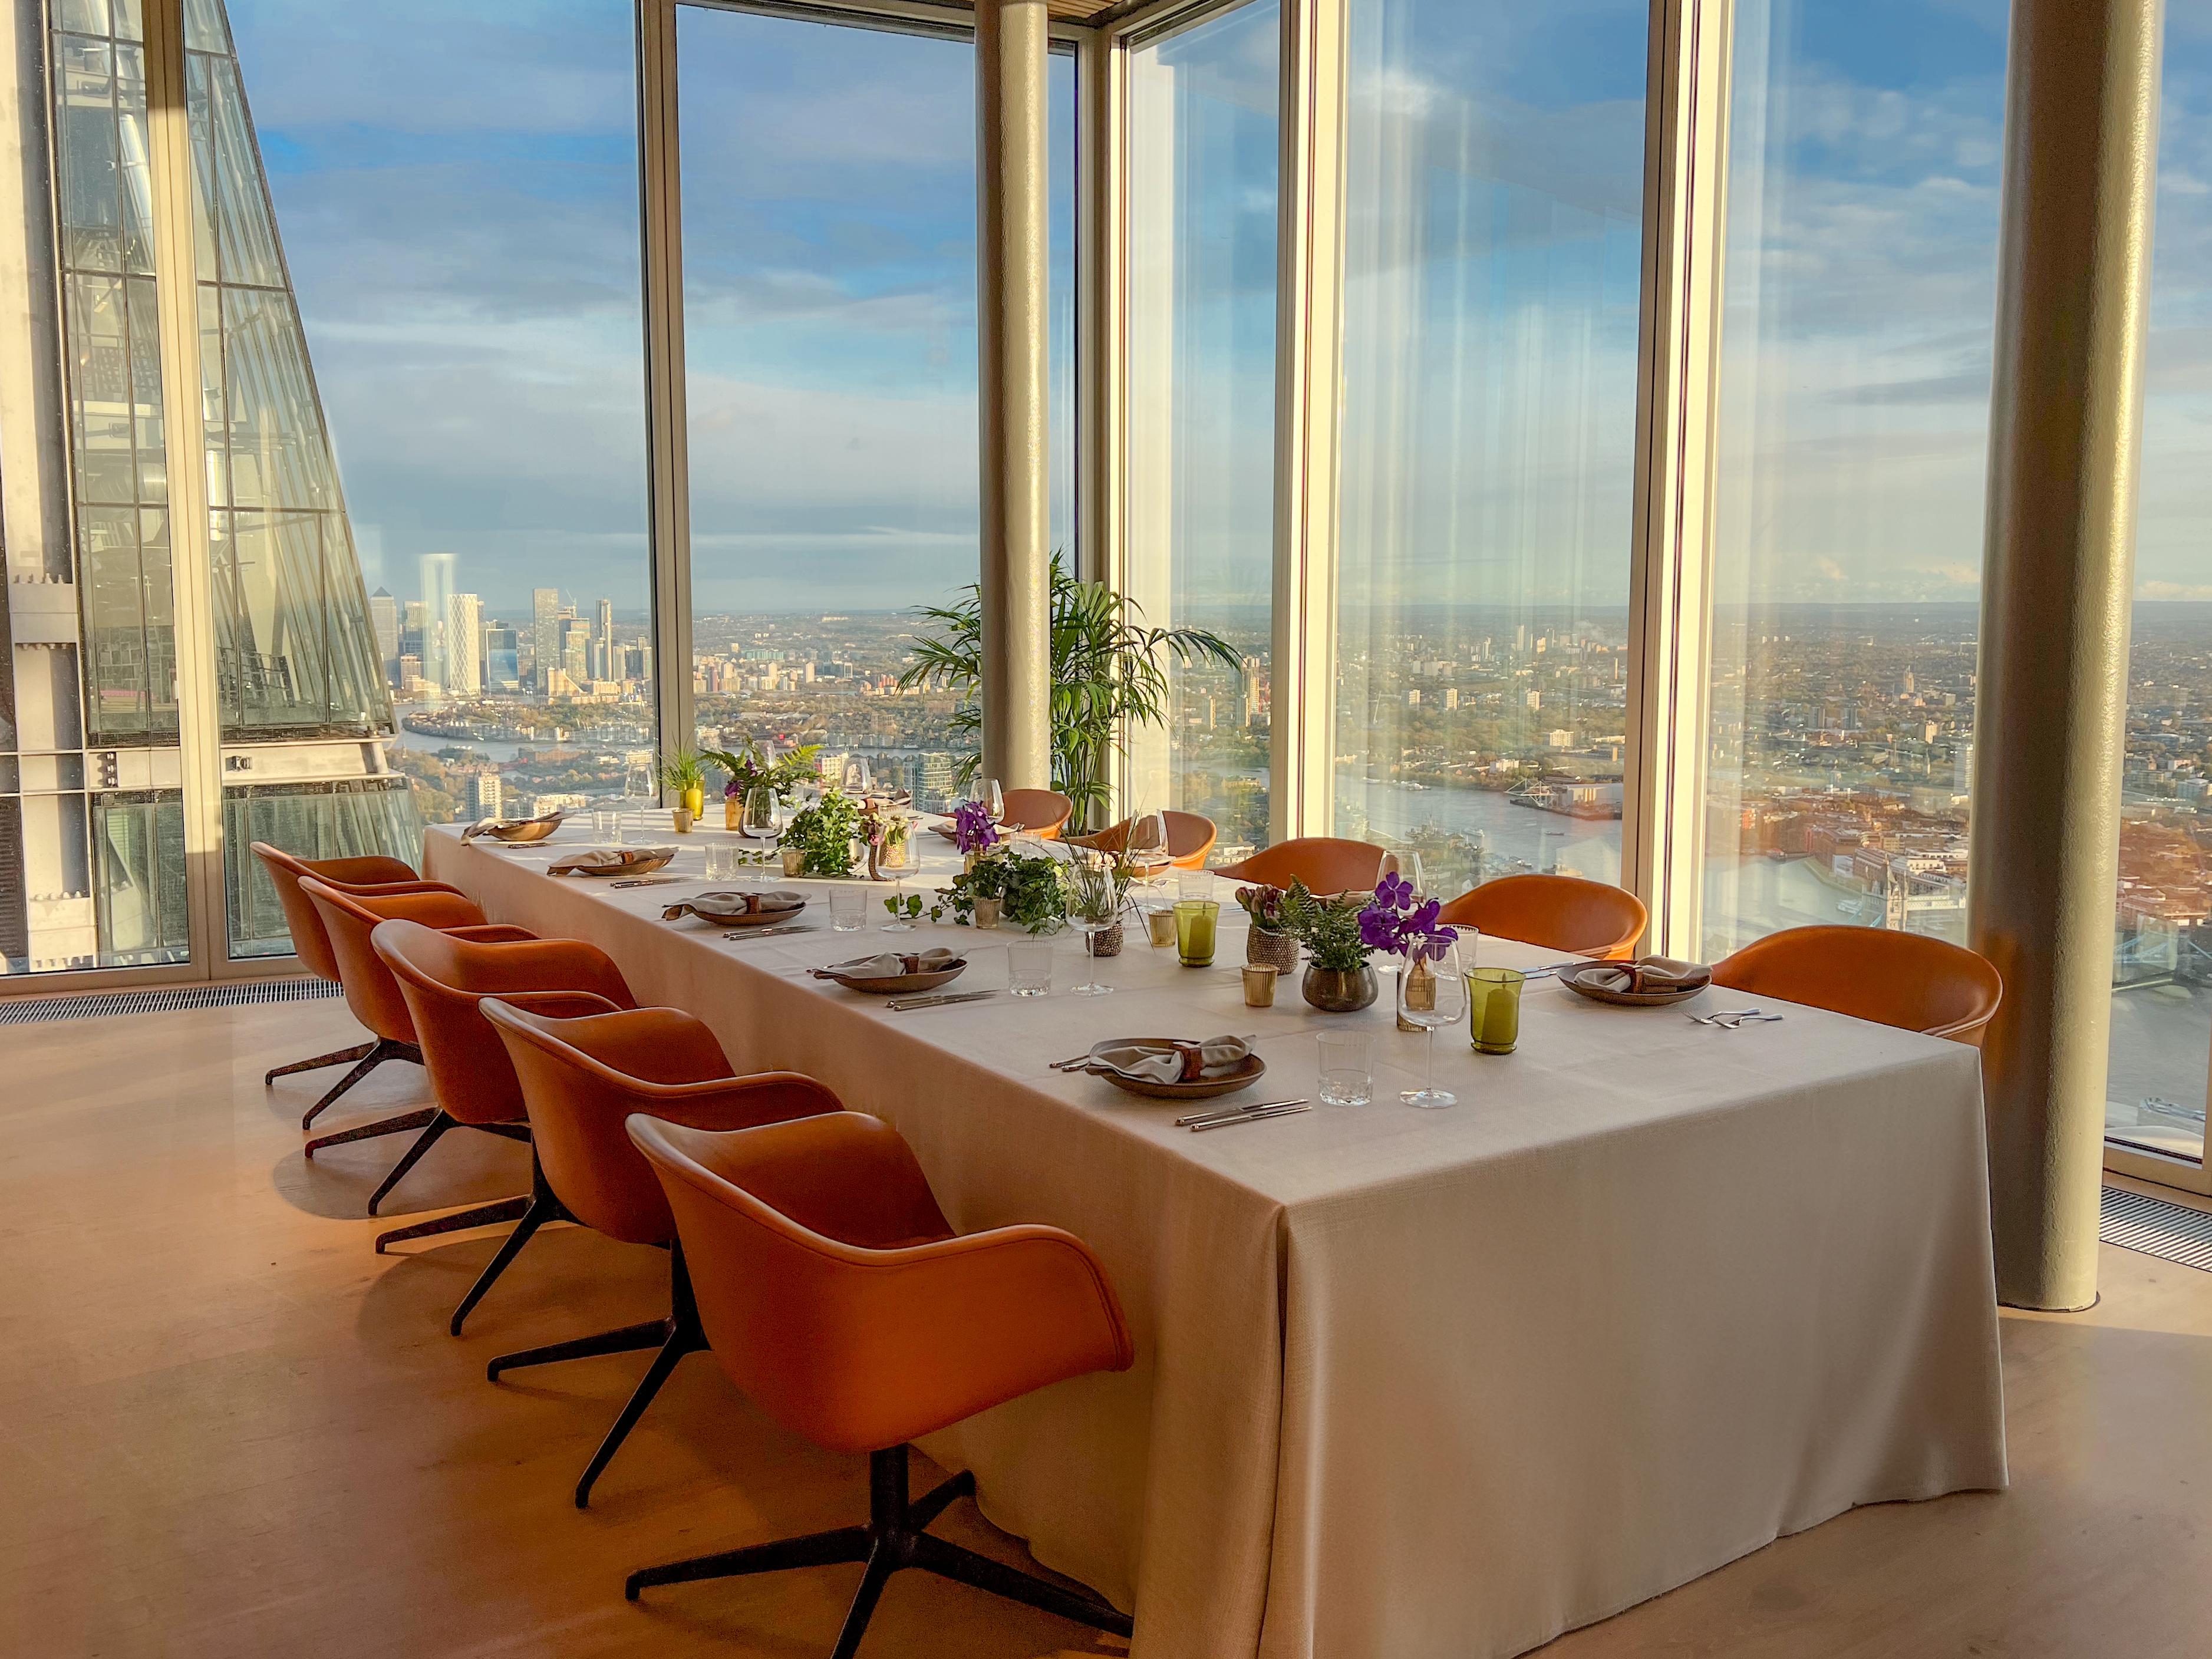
(1410, 1383)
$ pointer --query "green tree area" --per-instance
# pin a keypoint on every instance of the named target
(440, 790)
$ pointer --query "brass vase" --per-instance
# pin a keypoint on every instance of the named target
(1338, 990)
(1420, 990)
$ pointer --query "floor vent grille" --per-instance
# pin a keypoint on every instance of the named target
(2172, 1232)
(96, 1005)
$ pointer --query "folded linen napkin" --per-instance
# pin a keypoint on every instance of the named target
(891, 964)
(720, 905)
(1173, 1062)
(609, 858)
(1645, 974)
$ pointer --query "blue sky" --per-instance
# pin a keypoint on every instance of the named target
(456, 188)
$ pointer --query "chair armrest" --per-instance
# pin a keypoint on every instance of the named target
(489, 932)
(362, 871)
(737, 1102)
(559, 1004)
(373, 889)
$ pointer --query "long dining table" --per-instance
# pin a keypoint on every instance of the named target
(1409, 1382)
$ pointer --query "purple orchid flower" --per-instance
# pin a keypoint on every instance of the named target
(972, 829)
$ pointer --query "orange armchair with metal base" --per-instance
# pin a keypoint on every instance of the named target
(348, 920)
(1327, 864)
(441, 978)
(1906, 980)
(312, 945)
(1041, 812)
(1190, 838)
(839, 1299)
(1560, 912)
(581, 1079)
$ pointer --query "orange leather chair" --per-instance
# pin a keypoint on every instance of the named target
(1190, 838)
(441, 978)
(1326, 864)
(1906, 980)
(839, 1299)
(1040, 812)
(347, 920)
(1561, 912)
(581, 1079)
(370, 875)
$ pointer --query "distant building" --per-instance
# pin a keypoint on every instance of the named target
(502, 664)
(464, 646)
(384, 622)
(485, 794)
(545, 634)
(437, 586)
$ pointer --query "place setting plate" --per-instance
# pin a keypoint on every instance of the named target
(1241, 1072)
(1647, 983)
(614, 861)
(515, 832)
(928, 970)
(727, 908)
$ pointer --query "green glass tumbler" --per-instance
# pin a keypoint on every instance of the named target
(1195, 929)
(1493, 1009)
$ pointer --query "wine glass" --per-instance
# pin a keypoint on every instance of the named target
(986, 792)
(1432, 994)
(857, 776)
(758, 820)
(1146, 848)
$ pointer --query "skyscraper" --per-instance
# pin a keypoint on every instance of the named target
(168, 736)
(437, 579)
(464, 646)
(384, 619)
(545, 634)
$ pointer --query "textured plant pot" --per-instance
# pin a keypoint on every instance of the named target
(1336, 992)
(794, 860)
(1277, 950)
(681, 819)
(1108, 943)
(987, 912)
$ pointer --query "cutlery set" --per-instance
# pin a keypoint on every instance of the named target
(772, 933)
(649, 881)
(940, 1000)
(1730, 1019)
(1257, 1111)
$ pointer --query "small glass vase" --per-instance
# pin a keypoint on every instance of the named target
(758, 821)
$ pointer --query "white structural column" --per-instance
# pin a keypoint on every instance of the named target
(2050, 707)
(1010, 274)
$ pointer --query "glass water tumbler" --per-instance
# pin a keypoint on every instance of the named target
(1195, 922)
(1493, 1009)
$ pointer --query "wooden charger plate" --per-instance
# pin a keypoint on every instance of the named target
(894, 985)
(1243, 1077)
(1572, 979)
(517, 834)
(642, 862)
(703, 907)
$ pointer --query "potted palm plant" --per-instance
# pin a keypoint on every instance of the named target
(1110, 672)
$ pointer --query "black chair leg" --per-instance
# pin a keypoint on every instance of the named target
(540, 1207)
(652, 1334)
(432, 1133)
(484, 1215)
(683, 1339)
(417, 1119)
(336, 1057)
(379, 1051)
(892, 1539)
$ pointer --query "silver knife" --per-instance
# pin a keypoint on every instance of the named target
(769, 933)
(904, 1003)
(1260, 1117)
(1234, 1112)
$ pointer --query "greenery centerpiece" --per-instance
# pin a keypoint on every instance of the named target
(1027, 887)
(1398, 921)
(685, 774)
(1108, 674)
(1338, 979)
(1097, 892)
(752, 765)
(823, 835)
(1269, 942)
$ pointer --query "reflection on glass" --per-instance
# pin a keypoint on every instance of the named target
(1852, 438)
(1203, 129)
(1494, 195)
(829, 225)
(2161, 1038)
(327, 821)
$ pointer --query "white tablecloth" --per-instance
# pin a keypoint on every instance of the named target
(1410, 1382)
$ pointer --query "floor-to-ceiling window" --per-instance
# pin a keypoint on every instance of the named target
(1860, 249)
(829, 188)
(1494, 182)
(453, 195)
(2161, 1036)
(1203, 129)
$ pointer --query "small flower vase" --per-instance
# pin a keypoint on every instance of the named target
(733, 813)
(681, 817)
(1107, 943)
(967, 864)
(1267, 947)
(1340, 991)
(695, 801)
(894, 845)
(987, 912)
(1420, 990)
(794, 860)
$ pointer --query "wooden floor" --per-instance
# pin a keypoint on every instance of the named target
(227, 1428)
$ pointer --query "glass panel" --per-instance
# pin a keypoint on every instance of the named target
(139, 840)
(1492, 281)
(829, 183)
(1852, 435)
(316, 821)
(2161, 1039)
(1203, 131)
(431, 271)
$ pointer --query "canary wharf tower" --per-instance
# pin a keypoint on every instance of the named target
(186, 659)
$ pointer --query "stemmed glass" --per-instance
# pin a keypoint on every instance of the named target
(986, 792)
(1147, 846)
(1432, 1001)
(1094, 904)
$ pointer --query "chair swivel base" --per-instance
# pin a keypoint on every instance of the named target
(369, 1059)
(679, 1334)
(336, 1057)
(895, 1538)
